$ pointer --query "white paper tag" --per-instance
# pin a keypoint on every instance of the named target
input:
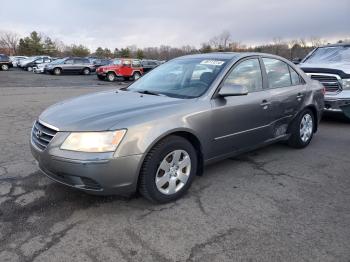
(212, 62)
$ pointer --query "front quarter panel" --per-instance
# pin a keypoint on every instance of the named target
(194, 118)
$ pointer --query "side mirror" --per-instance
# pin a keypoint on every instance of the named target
(233, 90)
(296, 60)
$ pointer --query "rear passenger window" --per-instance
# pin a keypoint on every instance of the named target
(295, 77)
(277, 73)
(247, 74)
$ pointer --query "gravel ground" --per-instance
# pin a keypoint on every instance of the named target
(273, 204)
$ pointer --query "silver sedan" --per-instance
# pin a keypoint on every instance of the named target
(158, 133)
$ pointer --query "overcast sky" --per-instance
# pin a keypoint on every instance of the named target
(175, 22)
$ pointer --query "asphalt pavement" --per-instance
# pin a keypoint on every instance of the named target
(272, 204)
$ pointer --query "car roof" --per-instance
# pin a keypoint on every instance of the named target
(337, 44)
(228, 55)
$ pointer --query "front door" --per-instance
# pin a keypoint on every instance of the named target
(242, 122)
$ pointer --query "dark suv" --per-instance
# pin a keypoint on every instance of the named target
(5, 62)
(70, 65)
(148, 65)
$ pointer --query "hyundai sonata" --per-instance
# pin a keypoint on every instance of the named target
(157, 134)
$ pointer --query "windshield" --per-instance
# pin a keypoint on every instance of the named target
(331, 54)
(181, 78)
(58, 61)
(116, 62)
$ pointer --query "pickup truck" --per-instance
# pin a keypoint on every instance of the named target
(330, 65)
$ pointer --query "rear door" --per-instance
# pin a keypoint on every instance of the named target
(287, 91)
(126, 68)
(242, 122)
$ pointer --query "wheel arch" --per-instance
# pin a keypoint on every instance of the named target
(186, 134)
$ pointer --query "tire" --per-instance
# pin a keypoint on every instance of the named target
(86, 71)
(110, 77)
(302, 129)
(176, 180)
(29, 69)
(5, 67)
(136, 76)
(100, 77)
(57, 71)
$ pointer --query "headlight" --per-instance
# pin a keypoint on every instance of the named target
(93, 142)
(346, 83)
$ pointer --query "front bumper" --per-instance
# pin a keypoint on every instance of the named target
(108, 175)
(337, 102)
(38, 70)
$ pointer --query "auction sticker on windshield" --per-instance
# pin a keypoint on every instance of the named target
(212, 62)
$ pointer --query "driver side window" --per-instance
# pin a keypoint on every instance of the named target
(246, 74)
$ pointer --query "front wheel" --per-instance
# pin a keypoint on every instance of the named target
(57, 71)
(4, 67)
(302, 129)
(29, 69)
(111, 77)
(168, 170)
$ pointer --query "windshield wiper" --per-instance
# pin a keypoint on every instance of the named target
(146, 92)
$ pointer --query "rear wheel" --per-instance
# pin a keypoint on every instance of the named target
(57, 71)
(111, 77)
(86, 71)
(136, 76)
(168, 170)
(4, 67)
(302, 129)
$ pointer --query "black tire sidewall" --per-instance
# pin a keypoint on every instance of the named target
(152, 164)
(296, 140)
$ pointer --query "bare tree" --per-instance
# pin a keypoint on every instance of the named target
(9, 41)
(221, 41)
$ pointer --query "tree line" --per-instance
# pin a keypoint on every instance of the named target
(39, 44)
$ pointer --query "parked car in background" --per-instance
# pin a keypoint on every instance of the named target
(76, 65)
(40, 67)
(24, 63)
(15, 59)
(148, 64)
(157, 134)
(37, 61)
(5, 63)
(101, 62)
(331, 66)
(127, 68)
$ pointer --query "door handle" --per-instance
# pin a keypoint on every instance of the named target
(265, 104)
(300, 96)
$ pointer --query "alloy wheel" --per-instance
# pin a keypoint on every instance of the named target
(306, 128)
(173, 172)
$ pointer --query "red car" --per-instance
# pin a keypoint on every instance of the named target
(128, 68)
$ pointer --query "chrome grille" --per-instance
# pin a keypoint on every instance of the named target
(329, 81)
(42, 135)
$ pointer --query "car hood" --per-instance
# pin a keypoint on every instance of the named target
(101, 111)
(343, 66)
